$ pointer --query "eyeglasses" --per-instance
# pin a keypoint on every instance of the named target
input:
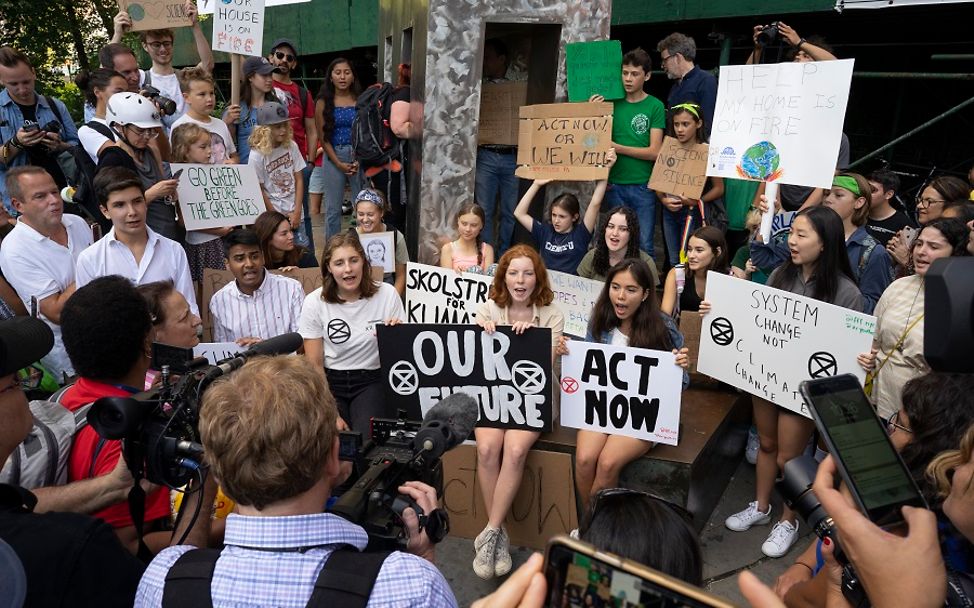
(143, 133)
(155, 46)
(892, 425)
(609, 493)
(668, 57)
(923, 203)
(284, 56)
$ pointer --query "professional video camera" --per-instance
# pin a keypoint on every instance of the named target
(167, 107)
(159, 427)
(399, 451)
(768, 34)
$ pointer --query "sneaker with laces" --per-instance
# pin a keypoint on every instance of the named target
(751, 516)
(482, 538)
(483, 562)
(783, 536)
(753, 444)
(502, 554)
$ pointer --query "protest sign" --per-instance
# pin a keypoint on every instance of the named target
(206, 6)
(781, 222)
(217, 351)
(500, 106)
(155, 14)
(380, 248)
(441, 295)
(690, 323)
(238, 27)
(766, 341)
(680, 169)
(780, 122)
(216, 196)
(566, 141)
(575, 296)
(509, 375)
(594, 68)
(618, 390)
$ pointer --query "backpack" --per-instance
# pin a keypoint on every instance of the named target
(82, 180)
(373, 141)
(869, 244)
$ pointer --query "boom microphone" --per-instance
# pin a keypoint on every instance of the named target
(278, 345)
(447, 424)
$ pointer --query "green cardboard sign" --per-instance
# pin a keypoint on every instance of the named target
(594, 68)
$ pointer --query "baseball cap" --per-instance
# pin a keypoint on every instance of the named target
(271, 113)
(258, 65)
(284, 42)
(23, 340)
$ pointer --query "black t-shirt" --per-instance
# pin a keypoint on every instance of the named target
(883, 230)
(38, 155)
(70, 559)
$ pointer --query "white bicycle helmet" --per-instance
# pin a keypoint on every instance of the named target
(132, 109)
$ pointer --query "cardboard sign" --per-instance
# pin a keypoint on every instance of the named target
(680, 169)
(780, 122)
(380, 248)
(618, 390)
(500, 106)
(217, 351)
(216, 196)
(766, 341)
(594, 68)
(509, 375)
(690, 323)
(441, 295)
(155, 14)
(575, 296)
(238, 27)
(205, 7)
(566, 141)
(543, 506)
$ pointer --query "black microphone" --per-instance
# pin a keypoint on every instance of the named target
(447, 424)
(278, 345)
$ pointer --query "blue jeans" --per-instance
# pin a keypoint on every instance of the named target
(673, 224)
(306, 223)
(330, 182)
(640, 199)
(495, 175)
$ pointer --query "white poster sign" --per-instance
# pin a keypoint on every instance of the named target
(780, 122)
(238, 26)
(621, 391)
(441, 295)
(766, 341)
(575, 296)
(217, 351)
(380, 248)
(206, 7)
(215, 196)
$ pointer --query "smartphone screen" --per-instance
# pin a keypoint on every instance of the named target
(578, 580)
(859, 442)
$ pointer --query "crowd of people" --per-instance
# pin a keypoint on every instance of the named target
(83, 297)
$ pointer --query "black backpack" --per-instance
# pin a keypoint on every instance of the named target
(84, 176)
(373, 142)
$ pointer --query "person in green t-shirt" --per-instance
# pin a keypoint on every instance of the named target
(638, 122)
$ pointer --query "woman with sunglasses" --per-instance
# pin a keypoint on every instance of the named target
(929, 206)
(897, 353)
(135, 121)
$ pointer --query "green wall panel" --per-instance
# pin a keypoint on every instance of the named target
(630, 12)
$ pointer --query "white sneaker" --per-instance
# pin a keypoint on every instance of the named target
(753, 445)
(483, 562)
(783, 536)
(502, 554)
(751, 516)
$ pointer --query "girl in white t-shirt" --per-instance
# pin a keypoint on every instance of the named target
(338, 324)
(191, 144)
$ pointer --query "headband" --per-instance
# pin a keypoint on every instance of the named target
(848, 183)
(689, 107)
(369, 195)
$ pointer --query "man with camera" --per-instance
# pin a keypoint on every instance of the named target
(34, 128)
(271, 439)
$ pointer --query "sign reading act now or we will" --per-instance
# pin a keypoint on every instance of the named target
(766, 341)
(215, 196)
(566, 141)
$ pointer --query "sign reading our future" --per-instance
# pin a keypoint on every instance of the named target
(566, 141)
(780, 122)
(509, 375)
(766, 341)
(621, 391)
(215, 196)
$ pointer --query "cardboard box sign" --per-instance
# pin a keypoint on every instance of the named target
(500, 105)
(594, 68)
(564, 141)
(690, 323)
(680, 169)
(508, 375)
(155, 14)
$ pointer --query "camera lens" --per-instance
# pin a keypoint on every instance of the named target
(768, 34)
(116, 417)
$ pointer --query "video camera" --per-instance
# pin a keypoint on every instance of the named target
(167, 107)
(398, 451)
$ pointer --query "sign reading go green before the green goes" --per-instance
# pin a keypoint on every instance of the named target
(215, 196)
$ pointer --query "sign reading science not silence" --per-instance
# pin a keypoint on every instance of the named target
(216, 196)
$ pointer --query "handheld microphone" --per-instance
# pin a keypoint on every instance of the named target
(447, 424)
(278, 345)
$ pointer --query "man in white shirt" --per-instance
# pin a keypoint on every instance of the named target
(131, 249)
(257, 305)
(38, 256)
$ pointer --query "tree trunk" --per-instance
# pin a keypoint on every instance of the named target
(105, 14)
(76, 37)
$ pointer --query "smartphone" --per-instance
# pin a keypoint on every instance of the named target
(858, 440)
(177, 174)
(576, 570)
(909, 236)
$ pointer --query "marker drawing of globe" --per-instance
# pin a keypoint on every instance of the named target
(760, 161)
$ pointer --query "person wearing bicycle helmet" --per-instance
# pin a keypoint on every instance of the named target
(136, 121)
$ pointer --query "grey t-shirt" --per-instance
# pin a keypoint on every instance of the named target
(846, 296)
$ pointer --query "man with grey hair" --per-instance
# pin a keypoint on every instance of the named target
(693, 85)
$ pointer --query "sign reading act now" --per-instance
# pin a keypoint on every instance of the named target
(566, 141)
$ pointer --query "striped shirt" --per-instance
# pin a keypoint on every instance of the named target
(273, 309)
(275, 561)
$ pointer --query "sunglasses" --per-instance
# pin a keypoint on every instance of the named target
(284, 56)
(608, 494)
